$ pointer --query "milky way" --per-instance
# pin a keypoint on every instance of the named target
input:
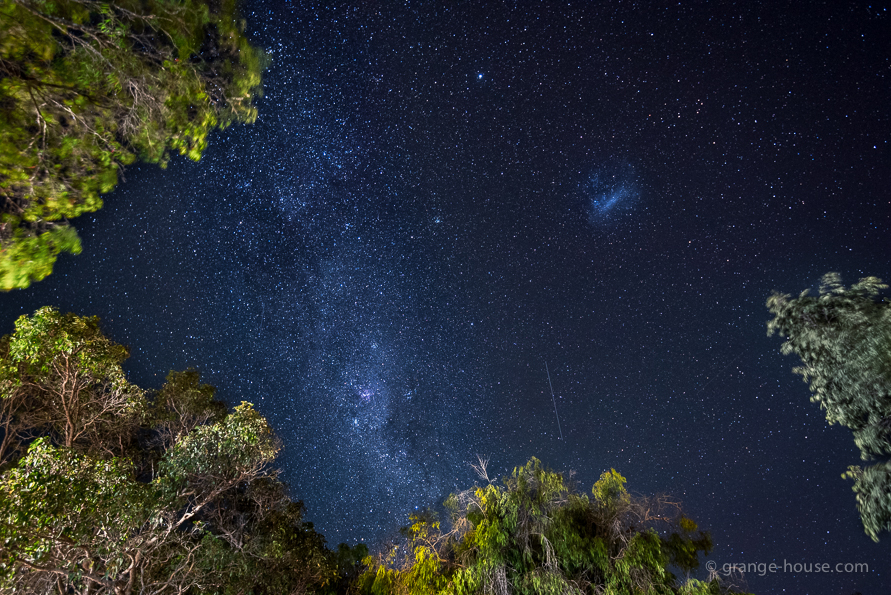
(440, 199)
(340, 253)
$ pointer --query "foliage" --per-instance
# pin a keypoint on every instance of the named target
(843, 337)
(63, 376)
(87, 87)
(79, 513)
(68, 518)
(534, 535)
(182, 404)
(214, 458)
(28, 257)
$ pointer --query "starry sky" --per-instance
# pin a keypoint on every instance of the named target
(440, 199)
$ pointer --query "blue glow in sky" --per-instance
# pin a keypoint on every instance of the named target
(611, 190)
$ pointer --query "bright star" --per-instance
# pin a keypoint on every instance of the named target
(480, 76)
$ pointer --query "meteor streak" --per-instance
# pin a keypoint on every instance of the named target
(554, 400)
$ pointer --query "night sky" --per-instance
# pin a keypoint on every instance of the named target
(436, 203)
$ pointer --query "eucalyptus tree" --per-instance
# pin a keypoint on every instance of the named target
(61, 376)
(533, 534)
(87, 87)
(108, 488)
(843, 337)
(211, 518)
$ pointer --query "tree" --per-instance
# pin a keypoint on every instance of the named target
(60, 374)
(533, 534)
(843, 337)
(214, 519)
(69, 520)
(213, 460)
(106, 491)
(183, 404)
(87, 87)
(109, 489)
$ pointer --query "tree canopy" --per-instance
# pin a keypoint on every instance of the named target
(87, 87)
(533, 534)
(843, 337)
(108, 488)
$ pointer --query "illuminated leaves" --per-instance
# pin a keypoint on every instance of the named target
(609, 491)
(73, 378)
(534, 535)
(88, 87)
(873, 486)
(67, 511)
(118, 495)
(843, 337)
(30, 257)
(213, 457)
